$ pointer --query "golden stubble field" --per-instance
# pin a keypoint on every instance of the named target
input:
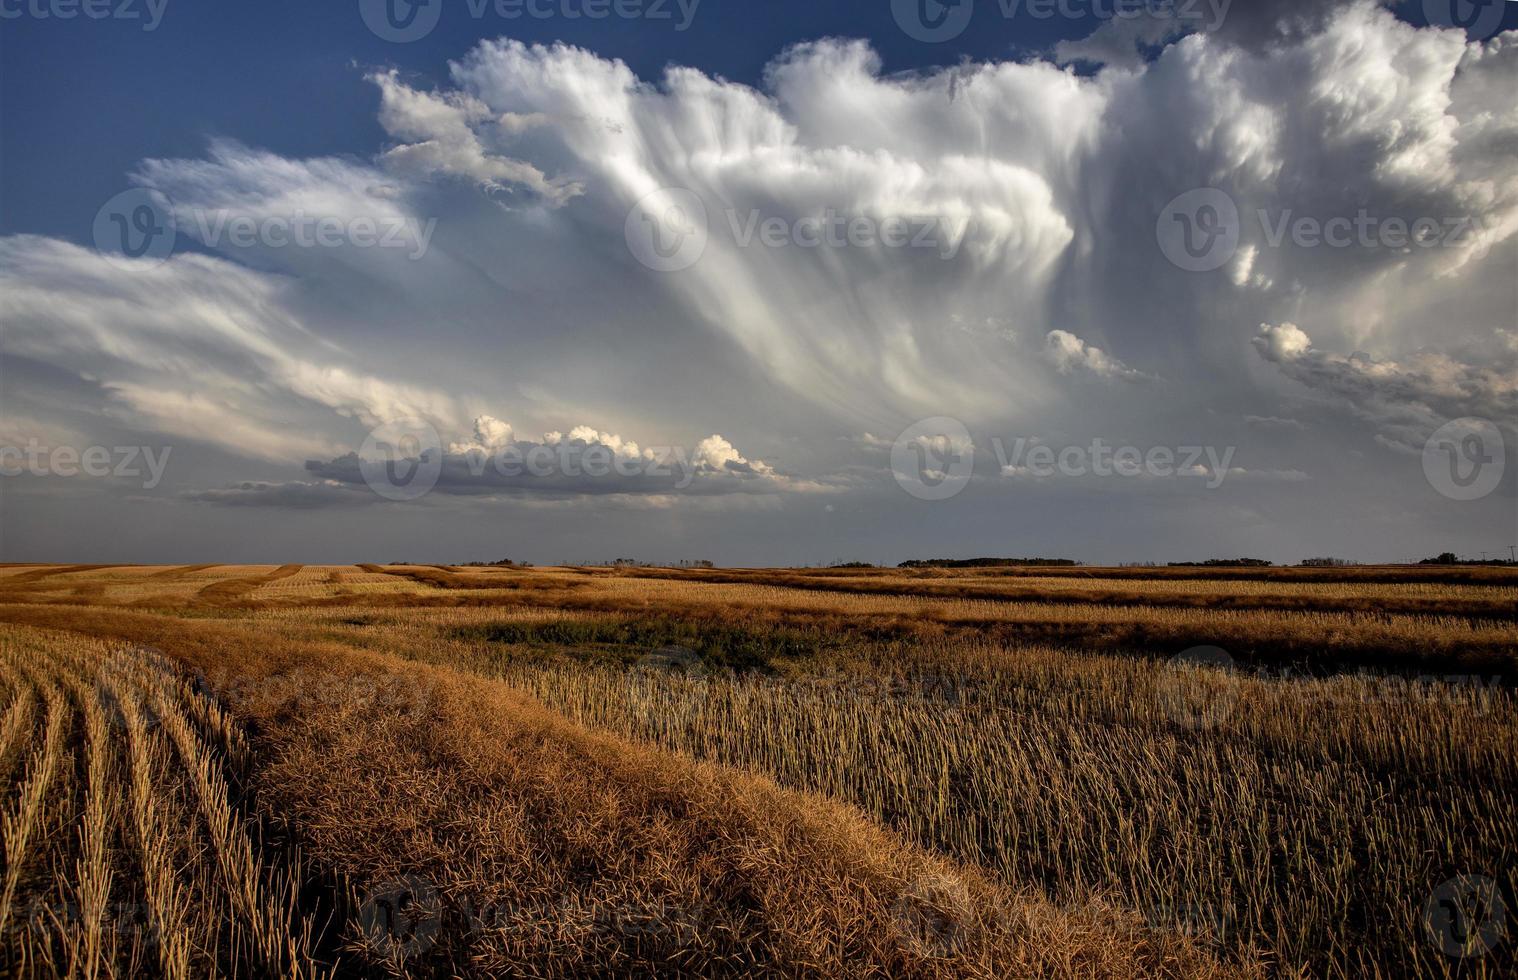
(439, 771)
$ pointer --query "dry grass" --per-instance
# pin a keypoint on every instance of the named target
(109, 871)
(545, 850)
(548, 851)
(1436, 596)
(1303, 819)
(879, 773)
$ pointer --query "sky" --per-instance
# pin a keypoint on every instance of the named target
(762, 284)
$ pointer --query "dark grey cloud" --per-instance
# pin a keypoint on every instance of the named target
(1407, 400)
(295, 495)
(570, 468)
(1271, 423)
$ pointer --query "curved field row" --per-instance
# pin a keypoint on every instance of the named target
(126, 852)
(1151, 787)
(570, 772)
(481, 833)
(1412, 598)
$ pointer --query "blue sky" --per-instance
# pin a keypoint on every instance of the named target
(1059, 172)
(83, 101)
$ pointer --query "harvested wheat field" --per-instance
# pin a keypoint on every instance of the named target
(426, 771)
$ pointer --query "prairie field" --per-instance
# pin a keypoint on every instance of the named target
(419, 771)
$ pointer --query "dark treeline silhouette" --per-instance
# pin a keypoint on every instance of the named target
(990, 563)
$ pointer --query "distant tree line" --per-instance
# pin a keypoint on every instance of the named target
(990, 563)
(1450, 558)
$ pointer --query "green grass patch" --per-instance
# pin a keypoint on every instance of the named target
(720, 646)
